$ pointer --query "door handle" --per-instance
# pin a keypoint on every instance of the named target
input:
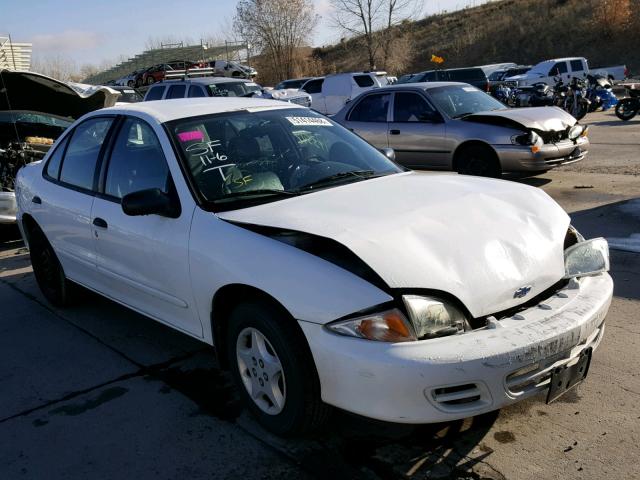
(394, 132)
(99, 222)
(37, 200)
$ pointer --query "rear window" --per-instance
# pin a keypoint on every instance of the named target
(176, 91)
(363, 80)
(576, 66)
(154, 93)
(314, 86)
(196, 91)
(472, 74)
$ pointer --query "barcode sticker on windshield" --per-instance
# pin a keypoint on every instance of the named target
(309, 121)
(469, 89)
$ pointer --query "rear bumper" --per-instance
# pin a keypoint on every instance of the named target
(463, 375)
(515, 158)
(8, 207)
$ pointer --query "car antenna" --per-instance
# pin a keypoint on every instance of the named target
(6, 94)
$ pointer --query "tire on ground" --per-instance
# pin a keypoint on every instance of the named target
(54, 285)
(303, 409)
(478, 160)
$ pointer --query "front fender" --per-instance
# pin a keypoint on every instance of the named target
(310, 288)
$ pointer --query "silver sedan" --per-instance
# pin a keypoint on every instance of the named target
(454, 126)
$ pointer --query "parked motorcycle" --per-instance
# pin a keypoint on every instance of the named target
(576, 102)
(600, 93)
(536, 95)
(627, 108)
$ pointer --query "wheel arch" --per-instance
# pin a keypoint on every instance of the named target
(469, 144)
(28, 224)
(231, 295)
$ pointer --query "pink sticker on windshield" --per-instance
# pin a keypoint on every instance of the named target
(191, 136)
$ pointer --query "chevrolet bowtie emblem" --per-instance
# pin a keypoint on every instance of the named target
(522, 291)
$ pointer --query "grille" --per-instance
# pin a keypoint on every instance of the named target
(304, 101)
(554, 136)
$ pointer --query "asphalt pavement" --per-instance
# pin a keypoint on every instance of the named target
(98, 391)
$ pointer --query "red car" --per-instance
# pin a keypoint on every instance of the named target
(157, 72)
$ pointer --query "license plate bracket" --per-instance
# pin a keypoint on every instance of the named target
(564, 378)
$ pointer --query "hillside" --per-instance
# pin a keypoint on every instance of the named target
(522, 31)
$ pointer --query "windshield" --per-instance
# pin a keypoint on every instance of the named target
(267, 155)
(233, 89)
(497, 75)
(458, 101)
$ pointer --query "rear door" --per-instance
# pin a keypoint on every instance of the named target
(578, 68)
(142, 261)
(417, 132)
(63, 205)
(369, 118)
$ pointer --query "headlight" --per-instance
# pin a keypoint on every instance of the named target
(528, 139)
(433, 317)
(576, 131)
(586, 258)
(390, 326)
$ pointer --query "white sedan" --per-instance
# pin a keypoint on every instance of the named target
(323, 273)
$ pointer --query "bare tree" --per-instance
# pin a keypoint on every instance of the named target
(276, 28)
(58, 66)
(374, 21)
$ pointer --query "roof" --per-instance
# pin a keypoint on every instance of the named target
(167, 110)
(418, 85)
(205, 80)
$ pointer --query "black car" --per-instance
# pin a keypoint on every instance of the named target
(474, 76)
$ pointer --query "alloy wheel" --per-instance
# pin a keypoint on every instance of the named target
(261, 371)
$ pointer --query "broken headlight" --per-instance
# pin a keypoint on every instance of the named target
(389, 326)
(586, 258)
(528, 139)
(433, 317)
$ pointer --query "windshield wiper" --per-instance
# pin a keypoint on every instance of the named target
(466, 114)
(359, 174)
(263, 192)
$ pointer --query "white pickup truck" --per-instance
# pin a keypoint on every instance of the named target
(331, 93)
(565, 69)
(223, 68)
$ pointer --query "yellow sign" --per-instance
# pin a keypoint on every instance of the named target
(437, 59)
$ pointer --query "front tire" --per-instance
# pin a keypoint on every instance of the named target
(273, 369)
(48, 271)
(478, 160)
(627, 108)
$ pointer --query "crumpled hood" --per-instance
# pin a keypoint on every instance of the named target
(477, 239)
(547, 119)
(31, 91)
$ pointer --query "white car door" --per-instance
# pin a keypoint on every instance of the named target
(63, 205)
(143, 261)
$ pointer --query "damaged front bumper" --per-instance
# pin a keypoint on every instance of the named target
(8, 207)
(463, 375)
(516, 158)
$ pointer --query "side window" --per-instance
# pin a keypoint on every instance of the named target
(429, 77)
(576, 66)
(155, 93)
(410, 107)
(176, 91)
(363, 80)
(196, 91)
(559, 68)
(79, 164)
(372, 108)
(313, 86)
(137, 161)
(55, 160)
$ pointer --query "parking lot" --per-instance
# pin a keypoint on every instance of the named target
(98, 391)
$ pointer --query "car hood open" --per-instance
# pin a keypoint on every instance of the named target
(21, 90)
(477, 239)
(546, 119)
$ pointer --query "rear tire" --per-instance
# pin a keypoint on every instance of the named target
(53, 283)
(296, 406)
(478, 160)
(627, 108)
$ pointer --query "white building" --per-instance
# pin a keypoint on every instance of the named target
(16, 56)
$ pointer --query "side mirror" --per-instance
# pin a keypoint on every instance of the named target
(390, 153)
(150, 202)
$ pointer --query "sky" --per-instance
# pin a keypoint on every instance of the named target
(95, 31)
